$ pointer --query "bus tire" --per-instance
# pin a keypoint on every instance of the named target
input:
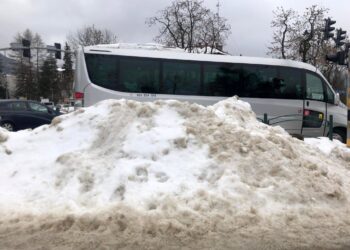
(339, 134)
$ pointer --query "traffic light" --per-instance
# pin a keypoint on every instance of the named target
(338, 58)
(58, 53)
(347, 49)
(328, 30)
(346, 53)
(26, 49)
(341, 58)
(339, 40)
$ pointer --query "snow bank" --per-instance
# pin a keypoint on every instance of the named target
(167, 174)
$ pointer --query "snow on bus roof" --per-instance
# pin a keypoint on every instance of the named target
(154, 50)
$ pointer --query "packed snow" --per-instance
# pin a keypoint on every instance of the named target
(169, 175)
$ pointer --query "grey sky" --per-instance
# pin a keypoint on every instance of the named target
(54, 19)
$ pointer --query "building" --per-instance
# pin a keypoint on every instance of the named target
(8, 87)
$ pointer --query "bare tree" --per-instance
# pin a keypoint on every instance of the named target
(310, 34)
(284, 25)
(187, 23)
(90, 35)
(299, 37)
(214, 32)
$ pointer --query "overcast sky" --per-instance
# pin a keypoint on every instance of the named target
(54, 19)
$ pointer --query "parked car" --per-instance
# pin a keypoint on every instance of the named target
(49, 104)
(65, 108)
(22, 114)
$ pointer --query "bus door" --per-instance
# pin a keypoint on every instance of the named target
(277, 92)
(314, 114)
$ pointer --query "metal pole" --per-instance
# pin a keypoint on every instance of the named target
(348, 103)
(37, 66)
(266, 121)
(6, 82)
(330, 133)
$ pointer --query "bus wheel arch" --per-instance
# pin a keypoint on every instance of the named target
(339, 133)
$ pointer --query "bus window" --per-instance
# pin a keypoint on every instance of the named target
(103, 70)
(182, 78)
(261, 81)
(291, 83)
(139, 75)
(221, 80)
(314, 88)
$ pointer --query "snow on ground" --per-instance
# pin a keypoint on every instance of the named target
(170, 175)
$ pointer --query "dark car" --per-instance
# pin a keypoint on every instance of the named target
(22, 114)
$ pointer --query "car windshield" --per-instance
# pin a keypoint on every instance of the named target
(38, 107)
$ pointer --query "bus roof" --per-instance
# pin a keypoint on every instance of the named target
(152, 50)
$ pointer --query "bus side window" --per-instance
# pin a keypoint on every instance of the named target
(221, 79)
(314, 88)
(260, 81)
(291, 83)
(103, 70)
(139, 75)
(181, 78)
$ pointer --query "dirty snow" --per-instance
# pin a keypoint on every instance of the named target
(129, 175)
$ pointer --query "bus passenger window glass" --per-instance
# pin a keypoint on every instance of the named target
(221, 80)
(314, 88)
(181, 78)
(291, 86)
(103, 70)
(139, 76)
(261, 82)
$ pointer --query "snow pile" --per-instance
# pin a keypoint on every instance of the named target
(167, 174)
(143, 46)
(334, 149)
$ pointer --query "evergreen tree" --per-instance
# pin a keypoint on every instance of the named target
(3, 88)
(27, 69)
(24, 80)
(67, 74)
(48, 81)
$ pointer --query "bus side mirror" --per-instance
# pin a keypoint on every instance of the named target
(337, 99)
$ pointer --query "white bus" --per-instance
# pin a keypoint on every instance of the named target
(294, 95)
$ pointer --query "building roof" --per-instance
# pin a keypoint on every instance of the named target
(8, 65)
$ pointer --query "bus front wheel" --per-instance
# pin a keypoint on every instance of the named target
(339, 134)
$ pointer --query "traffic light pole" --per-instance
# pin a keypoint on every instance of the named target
(348, 104)
(51, 49)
